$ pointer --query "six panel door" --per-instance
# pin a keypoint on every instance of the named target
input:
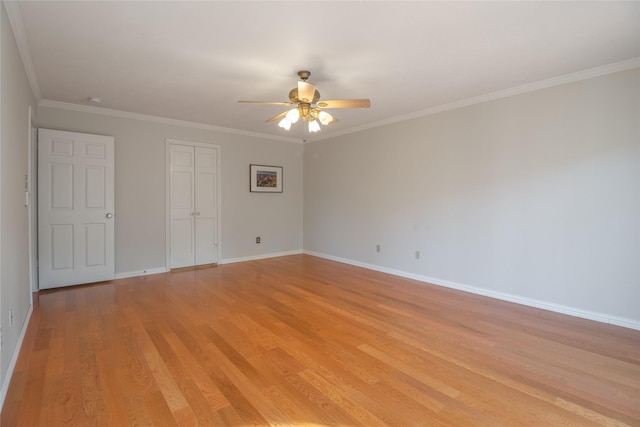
(75, 208)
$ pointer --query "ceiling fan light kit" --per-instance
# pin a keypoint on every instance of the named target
(314, 126)
(308, 107)
(285, 124)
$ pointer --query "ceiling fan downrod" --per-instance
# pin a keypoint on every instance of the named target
(304, 75)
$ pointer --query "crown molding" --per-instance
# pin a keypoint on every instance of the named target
(17, 25)
(163, 120)
(15, 20)
(529, 87)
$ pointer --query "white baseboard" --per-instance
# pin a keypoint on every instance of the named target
(224, 261)
(264, 256)
(558, 308)
(14, 358)
(141, 273)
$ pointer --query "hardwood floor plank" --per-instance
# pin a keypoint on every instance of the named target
(230, 417)
(111, 390)
(29, 407)
(203, 410)
(197, 374)
(283, 400)
(322, 402)
(137, 411)
(300, 340)
(284, 394)
(166, 383)
(347, 404)
(158, 409)
(50, 408)
(407, 369)
(585, 413)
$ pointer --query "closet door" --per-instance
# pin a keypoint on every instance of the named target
(206, 209)
(182, 181)
(194, 205)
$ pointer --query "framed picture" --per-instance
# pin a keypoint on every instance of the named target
(265, 179)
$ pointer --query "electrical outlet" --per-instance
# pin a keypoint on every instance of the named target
(377, 248)
(257, 240)
(417, 254)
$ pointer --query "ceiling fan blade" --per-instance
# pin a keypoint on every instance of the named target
(345, 103)
(283, 104)
(306, 91)
(278, 117)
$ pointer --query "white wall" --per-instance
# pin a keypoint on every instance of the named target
(533, 197)
(140, 188)
(14, 137)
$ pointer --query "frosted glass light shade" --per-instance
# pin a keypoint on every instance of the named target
(285, 124)
(325, 118)
(314, 126)
(293, 115)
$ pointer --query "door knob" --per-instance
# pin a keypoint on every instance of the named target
(109, 215)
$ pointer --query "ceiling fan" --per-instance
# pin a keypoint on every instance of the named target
(307, 106)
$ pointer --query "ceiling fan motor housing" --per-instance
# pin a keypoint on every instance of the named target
(293, 96)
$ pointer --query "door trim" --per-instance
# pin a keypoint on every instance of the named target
(167, 187)
(32, 195)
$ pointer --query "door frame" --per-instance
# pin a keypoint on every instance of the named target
(168, 143)
(32, 196)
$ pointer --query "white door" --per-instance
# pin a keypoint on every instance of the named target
(75, 208)
(206, 206)
(193, 205)
(182, 206)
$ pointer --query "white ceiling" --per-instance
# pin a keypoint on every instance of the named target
(193, 61)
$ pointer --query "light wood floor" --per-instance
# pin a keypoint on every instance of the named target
(302, 341)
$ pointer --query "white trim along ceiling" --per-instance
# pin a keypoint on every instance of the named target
(410, 58)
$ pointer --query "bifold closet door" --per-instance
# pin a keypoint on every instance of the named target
(193, 180)
(206, 224)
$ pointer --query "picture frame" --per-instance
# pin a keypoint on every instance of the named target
(265, 179)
